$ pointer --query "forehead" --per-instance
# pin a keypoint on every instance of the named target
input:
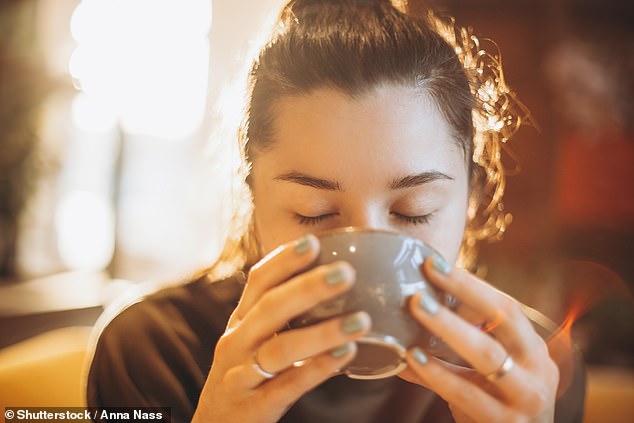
(390, 129)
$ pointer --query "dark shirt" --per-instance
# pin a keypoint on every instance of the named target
(158, 352)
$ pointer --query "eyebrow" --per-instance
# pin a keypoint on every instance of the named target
(408, 181)
(422, 178)
(309, 181)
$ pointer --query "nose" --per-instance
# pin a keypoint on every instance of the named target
(369, 218)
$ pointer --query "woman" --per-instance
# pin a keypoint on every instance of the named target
(359, 115)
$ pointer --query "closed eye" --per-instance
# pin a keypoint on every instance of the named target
(313, 220)
(413, 220)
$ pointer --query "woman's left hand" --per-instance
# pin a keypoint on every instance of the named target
(515, 380)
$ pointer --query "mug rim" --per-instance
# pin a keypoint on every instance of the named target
(362, 229)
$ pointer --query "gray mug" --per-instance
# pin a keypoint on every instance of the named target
(388, 272)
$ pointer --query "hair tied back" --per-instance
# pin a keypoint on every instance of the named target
(300, 8)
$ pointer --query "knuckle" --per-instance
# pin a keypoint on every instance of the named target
(509, 308)
(312, 284)
(224, 342)
(457, 283)
(269, 305)
(538, 356)
(331, 333)
(266, 302)
(280, 258)
(494, 355)
(256, 271)
(540, 346)
(553, 370)
(535, 402)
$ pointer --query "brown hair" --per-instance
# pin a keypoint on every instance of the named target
(353, 46)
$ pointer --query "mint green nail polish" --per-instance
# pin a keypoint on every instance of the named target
(302, 245)
(441, 265)
(342, 350)
(419, 356)
(335, 276)
(428, 303)
(352, 324)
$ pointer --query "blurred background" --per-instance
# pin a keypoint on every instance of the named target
(116, 150)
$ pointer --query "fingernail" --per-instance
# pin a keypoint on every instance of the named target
(342, 350)
(354, 323)
(428, 303)
(440, 264)
(419, 355)
(302, 245)
(335, 276)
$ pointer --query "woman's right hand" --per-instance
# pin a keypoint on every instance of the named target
(278, 289)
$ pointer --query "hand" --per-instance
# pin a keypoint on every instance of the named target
(253, 377)
(514, 380)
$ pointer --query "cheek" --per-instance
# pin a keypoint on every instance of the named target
(447, 233)
(264, 220)
(269, 232)
(452, 238)
(271, 226)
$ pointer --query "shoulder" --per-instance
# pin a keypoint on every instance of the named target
(156, 348)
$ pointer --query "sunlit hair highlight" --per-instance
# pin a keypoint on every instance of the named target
(497, 116)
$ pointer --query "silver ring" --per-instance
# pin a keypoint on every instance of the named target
(258, 368)
(504, 368)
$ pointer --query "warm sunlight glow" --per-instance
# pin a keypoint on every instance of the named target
(91, 115)
(85, 229)
(147, 60)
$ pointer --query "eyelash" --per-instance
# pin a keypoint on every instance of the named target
(314, 220)
(414, 220)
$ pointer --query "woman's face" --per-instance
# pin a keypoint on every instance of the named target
(385, 160)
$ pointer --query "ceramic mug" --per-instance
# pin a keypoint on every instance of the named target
(388, 273)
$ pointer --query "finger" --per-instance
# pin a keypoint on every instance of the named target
(281, 351)
(473, 400)
(484, 353)
(278, 266)
(320, 368)
(469, 315)
(301, 293)
(412, 377)
(476, 347)
(291, 384)
(462, 309)
(501, 313)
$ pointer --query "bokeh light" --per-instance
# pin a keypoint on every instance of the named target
(85, 231)
(146, 60)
